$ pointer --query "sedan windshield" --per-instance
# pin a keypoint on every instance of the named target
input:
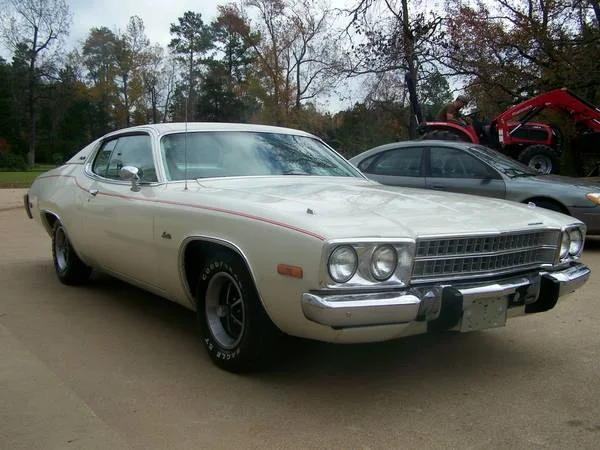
(242, 153)
(502, 163)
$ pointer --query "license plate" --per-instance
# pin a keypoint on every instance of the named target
(484, 313)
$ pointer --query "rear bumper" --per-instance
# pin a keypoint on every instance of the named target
(465, 306)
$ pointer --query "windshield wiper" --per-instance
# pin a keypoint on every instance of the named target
(518, 173)
(295, 172)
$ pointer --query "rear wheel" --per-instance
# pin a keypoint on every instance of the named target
(69, 268)
(541, 158)
(235, 329)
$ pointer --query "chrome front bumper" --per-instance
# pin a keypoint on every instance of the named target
(464, 306)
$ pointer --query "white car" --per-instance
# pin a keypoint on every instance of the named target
(264, 230)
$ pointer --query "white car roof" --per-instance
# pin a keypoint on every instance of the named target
(173, 127)
(162, 128)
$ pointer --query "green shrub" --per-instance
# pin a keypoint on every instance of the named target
(11, 162)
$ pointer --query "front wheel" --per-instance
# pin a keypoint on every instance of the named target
(69, 268)
(543, 158)
(235, 329)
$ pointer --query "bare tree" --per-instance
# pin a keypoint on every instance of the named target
(314, 50)
(388, 37)
(38, 24)
(294, 49)
(132, 54)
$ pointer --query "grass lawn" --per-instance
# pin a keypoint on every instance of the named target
(21, 179)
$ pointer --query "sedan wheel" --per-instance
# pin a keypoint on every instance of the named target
(234, 327)
(69, 268)
(225, 310)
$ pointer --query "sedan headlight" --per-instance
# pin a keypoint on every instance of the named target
(576, 241)
(383, 262)
(571, 243)
(342, 263)
(369, 263)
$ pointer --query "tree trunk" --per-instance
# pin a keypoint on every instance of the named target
(409, 51)
(126, 100)
(31, 101)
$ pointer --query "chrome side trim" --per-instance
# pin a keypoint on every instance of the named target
(218, 241)
(45, 223)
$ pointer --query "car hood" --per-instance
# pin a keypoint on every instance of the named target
(352, 207)
(590, 185)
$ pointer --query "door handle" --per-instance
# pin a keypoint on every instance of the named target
(439, 188)
(93, 192)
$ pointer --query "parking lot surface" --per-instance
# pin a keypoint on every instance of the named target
(109, 366)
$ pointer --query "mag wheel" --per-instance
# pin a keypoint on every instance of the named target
(235, 329)
(69, 268)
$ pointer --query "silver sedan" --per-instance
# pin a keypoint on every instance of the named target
(475, 169)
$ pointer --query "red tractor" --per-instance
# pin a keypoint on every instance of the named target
(513, 133)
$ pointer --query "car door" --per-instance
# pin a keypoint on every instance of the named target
(118, 221)
(455, 170)
(401, 166)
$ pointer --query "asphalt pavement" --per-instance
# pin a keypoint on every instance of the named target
(108, 366)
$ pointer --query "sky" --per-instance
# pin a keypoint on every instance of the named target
(114, 14)
(157, 17)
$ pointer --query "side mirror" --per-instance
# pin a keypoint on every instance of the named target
(131, 173)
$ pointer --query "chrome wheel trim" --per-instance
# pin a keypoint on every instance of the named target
(61, 249)
(541, 163)
(225, 310)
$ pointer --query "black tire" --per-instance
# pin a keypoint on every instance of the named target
(445, 135)
(542, 158)
(234, 327)
(69, 268)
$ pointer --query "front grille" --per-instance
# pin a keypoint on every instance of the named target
(450, 257)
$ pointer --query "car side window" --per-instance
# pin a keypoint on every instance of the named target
(132, 150)
(453, 163)
(100, 165)
(404, 162)
(363, 166)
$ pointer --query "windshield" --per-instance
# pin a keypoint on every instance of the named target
(245, 153)
(502, 163)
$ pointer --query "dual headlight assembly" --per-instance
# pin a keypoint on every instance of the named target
(370, 263)
(571, 243)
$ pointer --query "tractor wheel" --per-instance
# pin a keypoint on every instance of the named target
(542, 158)
(445, 135)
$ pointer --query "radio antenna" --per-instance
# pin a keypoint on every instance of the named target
(185, 143)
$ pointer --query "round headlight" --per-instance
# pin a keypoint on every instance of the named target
(383, 262)
(342, 264)
(565, 244)
(576, 238)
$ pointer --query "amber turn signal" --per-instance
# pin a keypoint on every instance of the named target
(290, 271)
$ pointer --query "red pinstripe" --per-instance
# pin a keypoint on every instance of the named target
(203, 207)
